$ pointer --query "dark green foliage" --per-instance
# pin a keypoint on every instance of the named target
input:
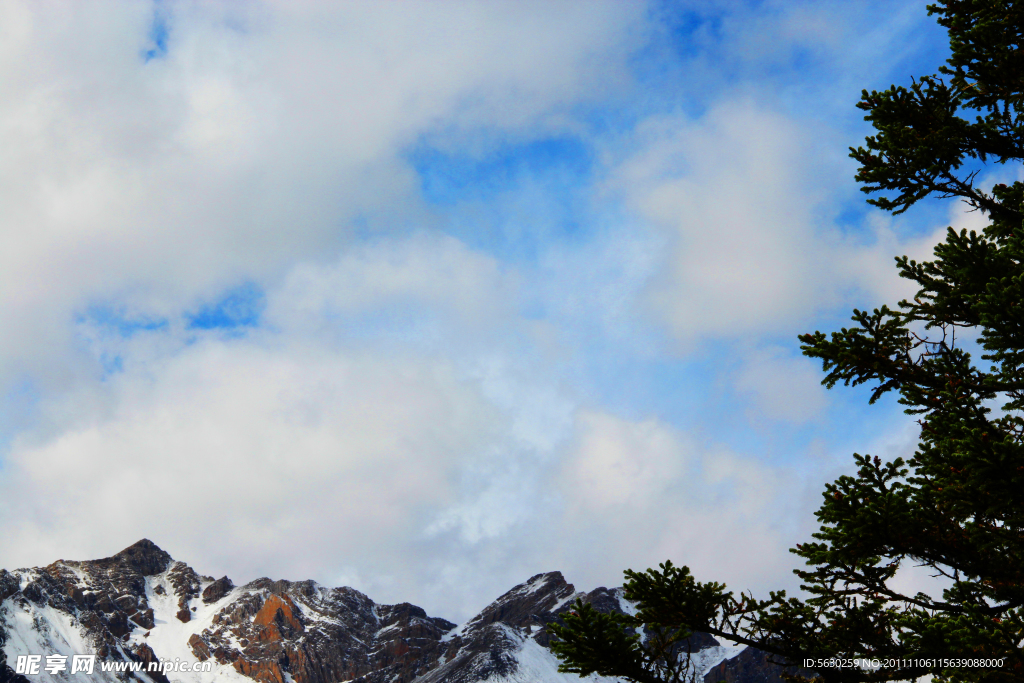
(957, 506)
(609, 644)
(925, 132)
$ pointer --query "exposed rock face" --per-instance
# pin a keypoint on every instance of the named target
(142, 606)
(485, 646)
(7, 674)
(9, 585)
(107, 597)
(146, 655)
(144, 559)
(183, 583)
(217, 590)
(751, 666)
(268, 629)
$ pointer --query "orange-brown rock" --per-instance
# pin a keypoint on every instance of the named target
(145, 654)
(263, 671)
(280, 612)
(199, 647)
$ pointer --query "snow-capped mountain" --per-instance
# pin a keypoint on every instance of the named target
(141, 607)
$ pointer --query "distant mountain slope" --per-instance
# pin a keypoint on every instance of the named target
(142, 606)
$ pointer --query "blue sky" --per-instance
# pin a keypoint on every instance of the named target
(426, 298)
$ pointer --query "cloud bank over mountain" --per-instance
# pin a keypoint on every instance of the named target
(428, 297)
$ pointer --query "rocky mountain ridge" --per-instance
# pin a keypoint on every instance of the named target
(142, 606)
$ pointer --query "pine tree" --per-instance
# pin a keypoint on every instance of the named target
(956, 506)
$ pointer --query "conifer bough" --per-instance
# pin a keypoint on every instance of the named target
(955, 507)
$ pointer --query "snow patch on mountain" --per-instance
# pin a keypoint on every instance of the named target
(627, 606)
(707, 659)
(537, 664)
(42, 630)
(169, 636)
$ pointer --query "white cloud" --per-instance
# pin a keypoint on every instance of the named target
(619, 463)
(264, 131)
(732, 194)
(753, 248)
(234, 449)
(638, 493)
(781, 387)
(423, 477)
(419, 274)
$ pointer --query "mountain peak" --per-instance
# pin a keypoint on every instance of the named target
(140, 606)
(144, 556)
